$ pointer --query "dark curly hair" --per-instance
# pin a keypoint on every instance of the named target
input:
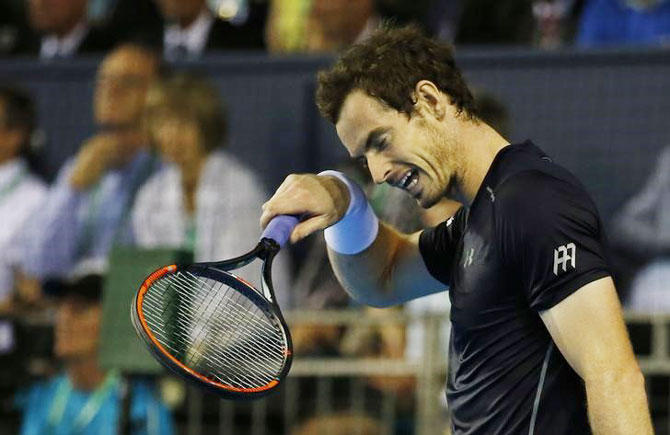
(387, 66)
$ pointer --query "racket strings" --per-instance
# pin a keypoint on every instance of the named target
(232, 296)
(200, 329)
(216, 334)
(208, 363)
(215, 329)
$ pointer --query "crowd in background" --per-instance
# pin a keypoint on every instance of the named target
(156, 172)
(191, 28)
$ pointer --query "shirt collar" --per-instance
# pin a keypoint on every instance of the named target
(10, 169)
(192, 38)
(53, 46)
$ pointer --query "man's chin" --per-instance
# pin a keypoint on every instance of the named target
(426, 202)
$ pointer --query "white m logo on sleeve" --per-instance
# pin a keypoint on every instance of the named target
(563, 255)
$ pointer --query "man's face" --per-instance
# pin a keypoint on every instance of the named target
(413, 153)
(178, 10)
(56, 16)
(121, 86)
(76, 334)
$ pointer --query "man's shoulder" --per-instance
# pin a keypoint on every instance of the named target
(537, 183)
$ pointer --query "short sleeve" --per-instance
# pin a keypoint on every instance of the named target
(438, 245)
(550, 236)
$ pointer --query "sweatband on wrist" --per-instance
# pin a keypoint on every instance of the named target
(358, 228)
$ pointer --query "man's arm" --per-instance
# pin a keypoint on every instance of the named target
(589, 330)
(388, 272)
(391, 271)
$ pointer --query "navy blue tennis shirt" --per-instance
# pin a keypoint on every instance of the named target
(531, 238)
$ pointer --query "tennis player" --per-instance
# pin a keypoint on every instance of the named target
(538, 342)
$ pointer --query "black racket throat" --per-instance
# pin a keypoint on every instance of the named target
(265, 250)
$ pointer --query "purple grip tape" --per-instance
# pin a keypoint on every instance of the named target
(279, 229)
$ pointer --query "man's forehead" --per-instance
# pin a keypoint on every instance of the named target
(360, 115)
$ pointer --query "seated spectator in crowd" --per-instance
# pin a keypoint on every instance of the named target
(624, 22)
(203, 199)
(87, 209)
(63, 29)
(642, 231)
(333, 25)
(319, 25)
(85, 398)
(191, 29)
(322, 26)
(22, 194)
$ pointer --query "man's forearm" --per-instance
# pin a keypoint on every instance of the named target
(391, 271)
(618, 405)
(366, 276)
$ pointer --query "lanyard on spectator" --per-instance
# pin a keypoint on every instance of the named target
(92, 212)
(89, 410)
(12, 185)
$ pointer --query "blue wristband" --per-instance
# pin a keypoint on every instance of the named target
(358, 228)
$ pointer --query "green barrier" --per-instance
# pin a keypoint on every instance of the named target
(120, 347)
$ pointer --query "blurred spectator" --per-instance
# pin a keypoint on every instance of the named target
(315, 26)
(26, 25)
(64, 29)
(85, 398)
(21, 195)
(203, 199)
(642, 230)
(555, 22)
(335, 24)
(87, 208)
(319, 25)
(191, 29)
(496, 22)
(624, 22)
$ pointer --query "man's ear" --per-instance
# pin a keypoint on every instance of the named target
(429, 99)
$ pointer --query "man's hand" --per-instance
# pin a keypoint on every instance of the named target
(321, 201)
(96, 156)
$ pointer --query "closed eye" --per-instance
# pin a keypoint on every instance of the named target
(381, 145)
(361, 161)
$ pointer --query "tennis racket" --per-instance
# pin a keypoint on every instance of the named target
(215, 329)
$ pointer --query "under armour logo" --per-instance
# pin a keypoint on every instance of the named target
(491, 193)
(563, 255)
(469, 257)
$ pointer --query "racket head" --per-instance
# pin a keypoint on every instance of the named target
(213, 329)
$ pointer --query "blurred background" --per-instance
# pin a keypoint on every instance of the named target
(138, 132)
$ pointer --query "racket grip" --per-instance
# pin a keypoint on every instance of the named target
(279, 229)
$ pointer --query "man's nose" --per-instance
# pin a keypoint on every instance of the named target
(380, 169)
